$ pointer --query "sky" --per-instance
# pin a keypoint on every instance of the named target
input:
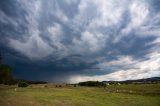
(80, 40)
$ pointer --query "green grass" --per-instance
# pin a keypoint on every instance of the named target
(81, 96)
(136, 88)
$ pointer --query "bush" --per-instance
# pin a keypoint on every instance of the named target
(91, 83)
(22, 84)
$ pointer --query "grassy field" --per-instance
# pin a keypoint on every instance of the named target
(113, 95)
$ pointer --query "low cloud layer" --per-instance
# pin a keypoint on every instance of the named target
(79, 40)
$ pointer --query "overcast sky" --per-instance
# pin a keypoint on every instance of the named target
(79, 40)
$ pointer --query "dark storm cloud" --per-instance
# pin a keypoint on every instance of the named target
(12, 19)
(75, 40)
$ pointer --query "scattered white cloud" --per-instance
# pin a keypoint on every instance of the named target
(70, 1)
(138, 13)
(108, 13)
(55, 32)
(89, 41)
(61, 15)
(7, 20)
(122, 60)
(34, 46)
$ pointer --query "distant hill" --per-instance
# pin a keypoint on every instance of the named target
(153, 79)
(145, 80)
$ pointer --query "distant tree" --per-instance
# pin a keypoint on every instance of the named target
(5, 74)
(22, 84)
(91, 83)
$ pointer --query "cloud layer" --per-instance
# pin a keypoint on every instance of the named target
(78, 40)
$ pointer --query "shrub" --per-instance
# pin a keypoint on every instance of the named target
(22, 84)
(91, 83)
(45, 86)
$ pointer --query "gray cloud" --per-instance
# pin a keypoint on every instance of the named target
(80, 38)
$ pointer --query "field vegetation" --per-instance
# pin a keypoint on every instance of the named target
(65, 95)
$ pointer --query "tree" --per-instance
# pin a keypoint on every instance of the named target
(91, 83)
(5, 74)
(0, 58)
(22, 84)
